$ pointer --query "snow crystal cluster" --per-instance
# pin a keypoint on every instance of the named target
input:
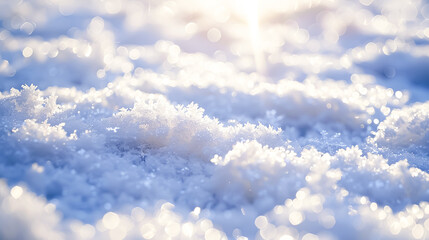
(187, 119)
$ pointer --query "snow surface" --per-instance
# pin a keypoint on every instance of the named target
(131, 119)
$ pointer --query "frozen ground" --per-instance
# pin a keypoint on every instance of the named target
(214, 119)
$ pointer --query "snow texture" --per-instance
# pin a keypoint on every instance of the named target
(140, 119)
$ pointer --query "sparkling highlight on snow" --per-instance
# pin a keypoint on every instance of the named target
(215, 119)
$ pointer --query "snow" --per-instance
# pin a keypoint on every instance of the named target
(407, 127)
(214, 119)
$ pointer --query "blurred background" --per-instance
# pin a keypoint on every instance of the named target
(89, 43)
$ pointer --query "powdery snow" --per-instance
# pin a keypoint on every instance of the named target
(214, 119)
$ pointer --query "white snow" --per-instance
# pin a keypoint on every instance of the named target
(407, 127)
(214, 119)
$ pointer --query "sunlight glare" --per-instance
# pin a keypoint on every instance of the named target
(252, 13)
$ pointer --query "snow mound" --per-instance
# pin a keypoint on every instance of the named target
(154, 123)
(407, 128)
